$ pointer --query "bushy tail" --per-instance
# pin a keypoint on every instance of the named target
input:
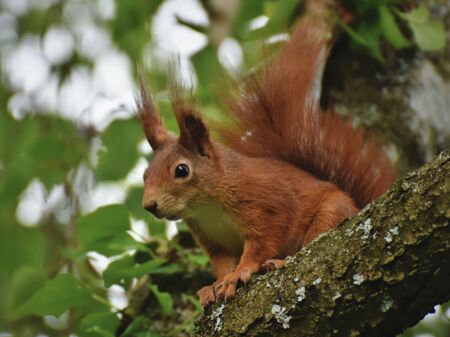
(279, 116)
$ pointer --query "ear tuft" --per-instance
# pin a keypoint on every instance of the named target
(151, 122)
(194, 134)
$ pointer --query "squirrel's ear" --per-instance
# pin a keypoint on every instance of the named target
(151, 122)
(194, 134)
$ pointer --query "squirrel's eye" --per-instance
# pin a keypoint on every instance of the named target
(181, 171)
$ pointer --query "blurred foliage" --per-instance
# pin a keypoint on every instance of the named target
(49, 283)
(399, 23)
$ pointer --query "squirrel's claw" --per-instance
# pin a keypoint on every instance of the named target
(227, 288)
(273, 264)
(207, 295)
(245, 275)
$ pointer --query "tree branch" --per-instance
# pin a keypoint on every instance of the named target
(375, 275)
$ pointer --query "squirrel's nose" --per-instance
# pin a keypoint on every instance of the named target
(151, 206)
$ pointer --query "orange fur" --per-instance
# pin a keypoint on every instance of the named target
(289, 172)
(279, 117)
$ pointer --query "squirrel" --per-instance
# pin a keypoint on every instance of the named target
(288, 173)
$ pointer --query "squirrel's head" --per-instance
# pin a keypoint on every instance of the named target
(174, 179)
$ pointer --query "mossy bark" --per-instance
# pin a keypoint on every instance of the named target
(375, 275)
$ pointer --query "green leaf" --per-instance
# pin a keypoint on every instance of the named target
(157, 228)
(7, 126)
(98, 324)
(34, 22)
(26, 245)
(125, 268)
(21, 249)
(133, 202)
(199, 259)
(250, 9)
(164, 300)
(120, 149)
(45, 147)
(105, 222)
(113, 273)
(420, 14)
(104, 230)
(57, 295)
(280, 15)
(134, 327)
(25, 282)
(390, 29)
(115, 245)
(58, 148)
(367, 36)
(148, 334)
(208, 70)
(430, 35)
(17, 168)
(366, 6)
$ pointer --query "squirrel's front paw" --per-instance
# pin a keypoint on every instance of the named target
(227, 288)
(207, 295)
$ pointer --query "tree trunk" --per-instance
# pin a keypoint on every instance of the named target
(375, 275)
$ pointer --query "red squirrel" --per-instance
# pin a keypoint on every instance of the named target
(288, 173)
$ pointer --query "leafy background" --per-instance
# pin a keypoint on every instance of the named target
(78, 255)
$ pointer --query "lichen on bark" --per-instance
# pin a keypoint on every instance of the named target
(375, 275)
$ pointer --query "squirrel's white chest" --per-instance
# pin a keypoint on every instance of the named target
(217, 226)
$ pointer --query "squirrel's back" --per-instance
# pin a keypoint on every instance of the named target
(279, 116)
